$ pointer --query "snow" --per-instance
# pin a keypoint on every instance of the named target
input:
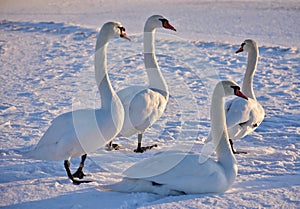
(46, 62)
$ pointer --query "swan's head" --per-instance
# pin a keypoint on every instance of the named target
(230, 88)
(158, 21)
(248, 45)
(114, 29)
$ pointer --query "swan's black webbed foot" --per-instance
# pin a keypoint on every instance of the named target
(78, 174)
(235, 151)
(110, 146)
(156, 184)
(77, 182)
(140, 149)
(239, 152)
(67, 167)
(172, 192)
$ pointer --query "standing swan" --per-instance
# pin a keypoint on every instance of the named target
(76, 133)
(186, 173)
(244, 116)
(143, 105)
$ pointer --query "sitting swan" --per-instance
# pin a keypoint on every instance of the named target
(244, 116)
(144, 105)
(76, 133)
(186, 173)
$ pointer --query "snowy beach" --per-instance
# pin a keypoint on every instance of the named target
(47, 53)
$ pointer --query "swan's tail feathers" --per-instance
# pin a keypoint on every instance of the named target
(33, 154)
(28, 154)
(37, 154)
(126, 185)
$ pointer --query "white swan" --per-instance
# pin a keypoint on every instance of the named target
(143, 105)
(186, 173)
(76, 133)
(244, 116)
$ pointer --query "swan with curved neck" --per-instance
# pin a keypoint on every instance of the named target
(76, 133)
(244, 116)
(143, 105)
(188, 175)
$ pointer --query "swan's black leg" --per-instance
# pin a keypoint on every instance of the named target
(67, 167)
(79, 173)
(141, 149)
(234, 151)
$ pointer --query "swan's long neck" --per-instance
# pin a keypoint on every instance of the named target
(219, 130)
(102, 80)
(249, 74)
(156, 79)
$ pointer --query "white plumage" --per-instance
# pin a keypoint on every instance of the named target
(144, 105)
(76, 133)
(174, 173)
(244, 116)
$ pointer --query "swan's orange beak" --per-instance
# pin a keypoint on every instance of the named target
(167, 25)
(124, 35)
(240, 50)
(240, 94)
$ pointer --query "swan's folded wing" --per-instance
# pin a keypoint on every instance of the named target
(237, 112)
(155, 165)
(127, 94)
(188, 175)
(162, 166)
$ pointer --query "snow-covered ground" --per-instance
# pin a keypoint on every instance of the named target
(46, 63)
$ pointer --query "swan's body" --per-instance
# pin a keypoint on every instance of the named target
(172, 173)
(244, 116)
(143, 105)
(144, 108)
(76, 133)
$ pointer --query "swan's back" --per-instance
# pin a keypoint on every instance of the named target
(190, 176)
(175, 172)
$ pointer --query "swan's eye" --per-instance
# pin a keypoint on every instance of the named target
(235, 88)
(238, 93)
(164, 21)
(166, 24)
(122, 29)
(243, 44)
